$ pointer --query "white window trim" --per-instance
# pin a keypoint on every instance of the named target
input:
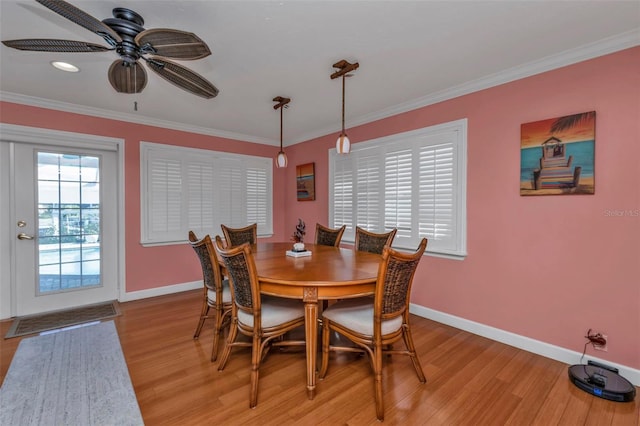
(189, 156)
(460, 175)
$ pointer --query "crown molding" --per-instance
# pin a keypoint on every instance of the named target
(602, 47)
(132, 118)
(588, 51)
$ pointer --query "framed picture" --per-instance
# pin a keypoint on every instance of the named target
(306, 182)
(557, 155)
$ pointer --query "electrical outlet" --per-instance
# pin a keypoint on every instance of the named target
(599, 346)
(598, 340)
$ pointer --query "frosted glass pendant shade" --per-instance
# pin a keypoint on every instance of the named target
(343, 145)
(281, 160)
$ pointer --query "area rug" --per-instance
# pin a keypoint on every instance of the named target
(70, 377)
(53, 320)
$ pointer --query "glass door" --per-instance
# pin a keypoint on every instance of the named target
(65, 210)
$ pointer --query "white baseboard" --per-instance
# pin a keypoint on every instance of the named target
(160, 291)
(558, 353)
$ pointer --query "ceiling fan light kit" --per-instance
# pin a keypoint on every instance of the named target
(343, 144)
(282, 103)
(125, 34)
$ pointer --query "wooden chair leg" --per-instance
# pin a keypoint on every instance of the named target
(216, 335)
(377, 372)
(203, 316)
(408, 341)
(256, 356)
(326, 337)
(233, 332)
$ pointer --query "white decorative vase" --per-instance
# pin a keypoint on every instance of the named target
(298, 247)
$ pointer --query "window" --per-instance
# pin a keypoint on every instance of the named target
(185, 189)
(413, 181)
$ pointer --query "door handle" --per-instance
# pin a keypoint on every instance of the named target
(23, 236)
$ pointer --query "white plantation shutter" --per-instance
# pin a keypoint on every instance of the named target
(398, 191)
(437, 197)
(200, 206)
(414, 182)
(187, 189)
(230, 205)
(258, 196)
(165, 184)
(342, 206)
(368, 192)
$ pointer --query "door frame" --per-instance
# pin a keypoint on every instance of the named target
(39, 136)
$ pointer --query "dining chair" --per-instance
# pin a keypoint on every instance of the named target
(374, 324)
(238, 236)
(263, 319)
(372, 242)
(217, 293)
(329, 237)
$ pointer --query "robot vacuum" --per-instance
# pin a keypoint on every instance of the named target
(602, 381)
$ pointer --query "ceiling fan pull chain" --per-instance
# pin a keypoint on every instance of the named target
(135, 86)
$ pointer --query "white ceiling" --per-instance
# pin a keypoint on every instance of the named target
(411, 54)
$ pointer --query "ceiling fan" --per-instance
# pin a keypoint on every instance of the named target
(125, 34)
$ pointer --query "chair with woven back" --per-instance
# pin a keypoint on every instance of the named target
(372, 242)
(238, 236)
(374, 324)
(217, 294)
(265, 320)
(329, 237)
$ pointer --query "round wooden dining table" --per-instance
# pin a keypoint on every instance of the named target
(329, 273)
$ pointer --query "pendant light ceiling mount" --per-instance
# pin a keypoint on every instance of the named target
(344, 68)
(343, 145)
(282, 103)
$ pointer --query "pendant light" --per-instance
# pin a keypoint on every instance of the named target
(281, 159)
(343, 145)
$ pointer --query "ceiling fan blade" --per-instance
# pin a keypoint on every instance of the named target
(182, 77)
(172, 44)
(54, 45)
(127, 77)
(83, 19)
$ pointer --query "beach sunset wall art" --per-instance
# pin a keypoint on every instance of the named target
(557, 155)
(306, 182)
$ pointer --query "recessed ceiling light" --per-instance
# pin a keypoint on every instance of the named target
(64, 66)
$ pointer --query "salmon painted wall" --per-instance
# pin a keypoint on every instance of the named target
(543, 267)
(546, 267)
(146, 267)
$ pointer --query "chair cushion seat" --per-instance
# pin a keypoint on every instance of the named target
(275, 311)
(357, 315)
(226, 293)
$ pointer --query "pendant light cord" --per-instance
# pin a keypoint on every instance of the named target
(281, 158)
(343, 91)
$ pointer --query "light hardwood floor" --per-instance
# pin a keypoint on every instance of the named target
(471, 380)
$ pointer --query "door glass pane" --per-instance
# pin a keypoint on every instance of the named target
(70, 193)
(68, 222)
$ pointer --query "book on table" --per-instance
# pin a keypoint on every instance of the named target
(303, 253)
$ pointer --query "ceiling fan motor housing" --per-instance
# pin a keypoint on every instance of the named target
(128, 24)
